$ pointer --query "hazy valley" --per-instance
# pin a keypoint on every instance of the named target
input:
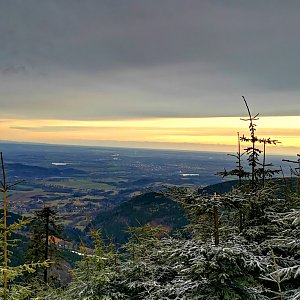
(81, 183)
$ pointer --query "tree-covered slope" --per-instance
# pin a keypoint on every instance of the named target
(140, 210)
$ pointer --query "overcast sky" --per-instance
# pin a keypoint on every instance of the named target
(120, 59)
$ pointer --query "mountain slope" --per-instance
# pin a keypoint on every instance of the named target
(147, 208)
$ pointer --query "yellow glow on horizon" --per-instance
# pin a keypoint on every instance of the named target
(217, 122)
(180, 132)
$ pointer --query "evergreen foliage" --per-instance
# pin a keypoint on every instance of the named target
(11, 283)
(45, 229)
(259, 171)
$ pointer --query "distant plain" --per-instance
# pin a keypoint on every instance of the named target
(80, 182)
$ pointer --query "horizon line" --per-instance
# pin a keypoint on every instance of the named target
(173, 149)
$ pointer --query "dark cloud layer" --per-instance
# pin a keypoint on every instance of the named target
(141, 58)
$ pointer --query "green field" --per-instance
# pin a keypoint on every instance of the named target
(82, 184)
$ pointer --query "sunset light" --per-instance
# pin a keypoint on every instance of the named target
(185, 133)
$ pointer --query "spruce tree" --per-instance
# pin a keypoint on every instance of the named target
(43, 245)
(12, 278)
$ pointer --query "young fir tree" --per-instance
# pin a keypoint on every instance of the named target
(92, 275)
(43, 245)
(239, 169)
(252, 151)
(259, 170)
(264, 172)
(10, 277)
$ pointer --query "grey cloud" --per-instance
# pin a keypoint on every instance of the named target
(12, 70)
(173, 91)
(165, 53)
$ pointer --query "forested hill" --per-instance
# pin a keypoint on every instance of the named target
(146, 208)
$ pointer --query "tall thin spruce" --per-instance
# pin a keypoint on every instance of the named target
(253, 152)
(4, 189)
(46, 243)
(264, 163)
(216, 222)
(7, 230)
(239, 155)
(42, 246)
(239, 170)
(264, 171)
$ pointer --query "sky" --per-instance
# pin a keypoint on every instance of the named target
(167, 74)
